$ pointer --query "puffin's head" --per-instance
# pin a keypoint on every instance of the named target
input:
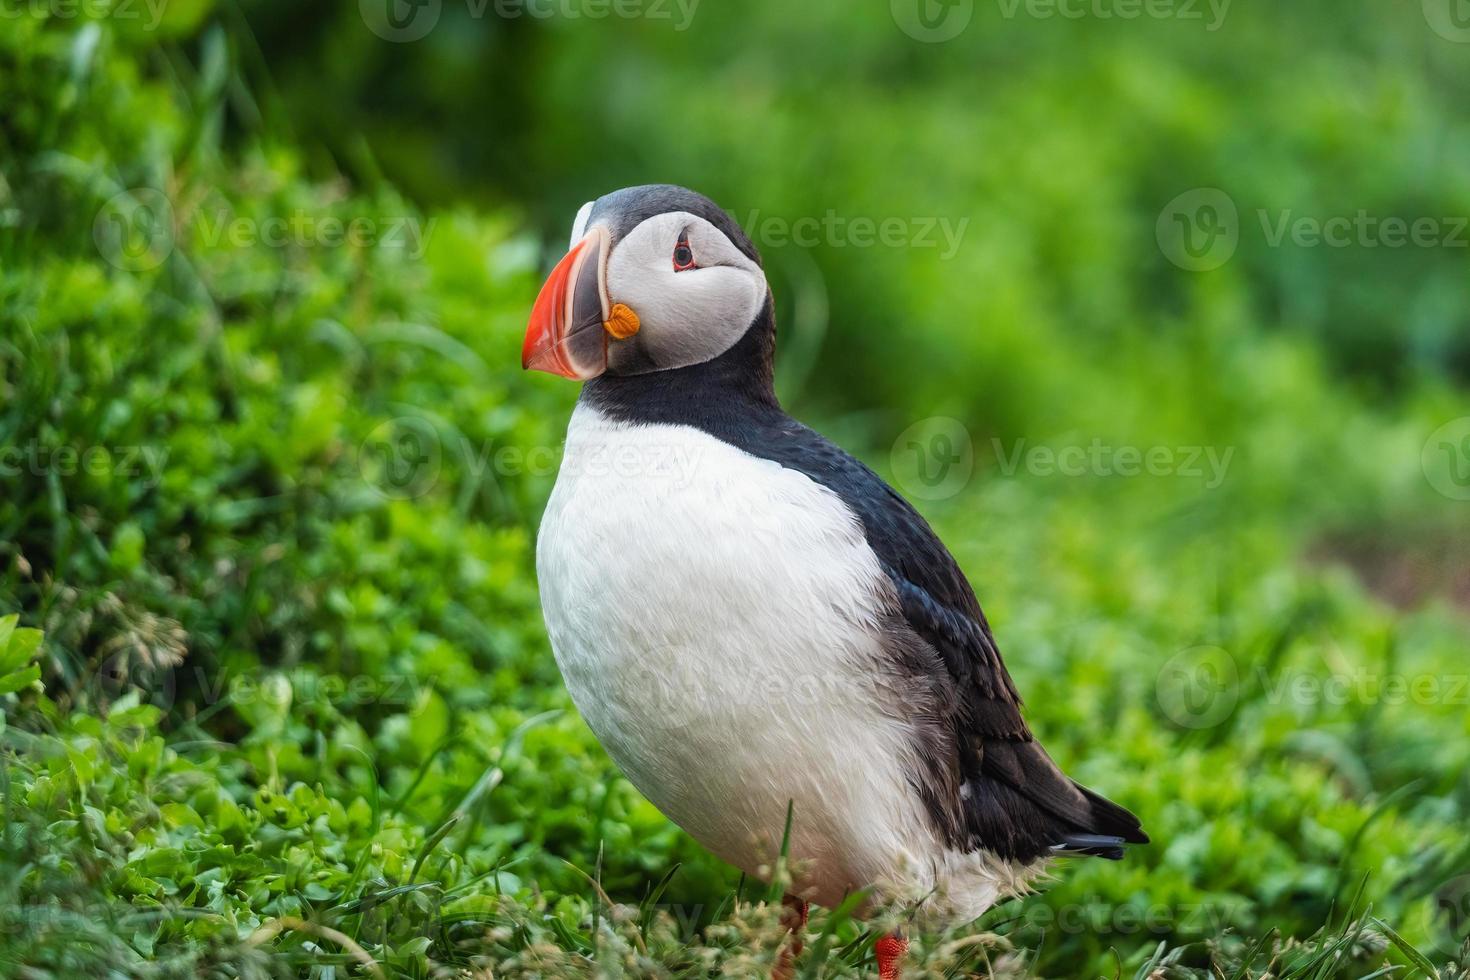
(658, 277)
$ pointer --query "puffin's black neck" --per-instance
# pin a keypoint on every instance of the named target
(739, 383)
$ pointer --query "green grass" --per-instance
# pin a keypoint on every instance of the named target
(294, 711)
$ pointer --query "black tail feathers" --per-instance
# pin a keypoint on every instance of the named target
(1110, 828)
(1090, 845)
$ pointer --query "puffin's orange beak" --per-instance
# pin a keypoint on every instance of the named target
(566, 335)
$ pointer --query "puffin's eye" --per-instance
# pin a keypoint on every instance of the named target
(683, 254)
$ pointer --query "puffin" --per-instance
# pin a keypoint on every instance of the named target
(769, 641)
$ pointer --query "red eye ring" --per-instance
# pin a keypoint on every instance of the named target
(684, 255)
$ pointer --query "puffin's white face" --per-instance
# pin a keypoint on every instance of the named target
(673, 291)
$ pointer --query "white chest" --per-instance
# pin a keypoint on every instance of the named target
(715, 617)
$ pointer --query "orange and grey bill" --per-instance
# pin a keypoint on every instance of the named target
(566, 334)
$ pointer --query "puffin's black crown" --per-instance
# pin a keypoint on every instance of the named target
(628, 208)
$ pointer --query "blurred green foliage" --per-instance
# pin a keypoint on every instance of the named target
(273, 473)
(1060, 137)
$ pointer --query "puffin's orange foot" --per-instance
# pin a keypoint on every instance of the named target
(793, 916)
(890, 951)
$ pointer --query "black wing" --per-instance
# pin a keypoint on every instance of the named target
(1002, 792)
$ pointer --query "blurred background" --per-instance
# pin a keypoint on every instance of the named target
(1157, 309)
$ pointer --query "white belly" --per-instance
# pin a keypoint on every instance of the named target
(715, 617)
